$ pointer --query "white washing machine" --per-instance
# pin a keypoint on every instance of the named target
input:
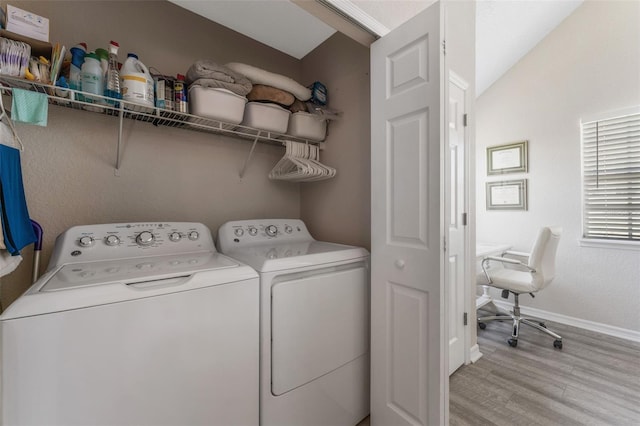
(314, 322)
(134, 324)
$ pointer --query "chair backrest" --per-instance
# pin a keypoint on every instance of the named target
(543, 256)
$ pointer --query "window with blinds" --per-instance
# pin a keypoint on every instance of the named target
(611, 177)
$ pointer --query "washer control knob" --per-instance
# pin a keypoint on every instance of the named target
(145, 238)
(112, 240)
(288, 229)
(239, 232)
(271, 230)
(85, 241)
(193, 235)
(253, 231)
(175, 236)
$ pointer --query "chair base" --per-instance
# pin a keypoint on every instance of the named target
(517, 320)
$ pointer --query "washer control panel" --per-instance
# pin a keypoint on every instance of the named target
(242, 233)
(123, 240)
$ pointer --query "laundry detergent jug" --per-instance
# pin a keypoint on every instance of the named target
(137, 85)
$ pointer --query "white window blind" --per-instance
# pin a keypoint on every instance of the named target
(611, 178)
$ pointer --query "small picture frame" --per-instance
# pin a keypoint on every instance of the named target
(510, 158)
(507, 195)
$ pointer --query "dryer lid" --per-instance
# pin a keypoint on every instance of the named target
(274, 257)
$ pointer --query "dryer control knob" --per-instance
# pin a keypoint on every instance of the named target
(253, 231)
(288, 229)
(112, 240)
(85, 241)
(193, 235)
(145, 238)
(175, 236)
(271, 230)
(239, 232)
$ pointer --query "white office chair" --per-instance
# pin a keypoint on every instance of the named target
(538, 273)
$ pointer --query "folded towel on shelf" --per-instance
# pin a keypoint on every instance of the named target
(16, 225)
(29, 107)
(298, 106)
(262, 93)
(207, 73)
(260, 76)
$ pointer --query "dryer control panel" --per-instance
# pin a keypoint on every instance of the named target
(243, 233)
(125, 240)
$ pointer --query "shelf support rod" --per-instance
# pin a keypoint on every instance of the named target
(121, 116)
(246, 162)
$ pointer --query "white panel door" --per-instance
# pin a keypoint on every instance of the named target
(455, 206)
(408, 340)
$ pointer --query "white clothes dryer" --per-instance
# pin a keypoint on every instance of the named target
(134, 324)
(314, 322)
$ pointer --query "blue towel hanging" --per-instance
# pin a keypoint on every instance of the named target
(16, 224)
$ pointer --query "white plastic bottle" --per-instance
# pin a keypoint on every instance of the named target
(91, 78)
(137, 84)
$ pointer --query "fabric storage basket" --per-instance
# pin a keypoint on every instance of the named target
(217, 104)
(266, 116)
(308, 126)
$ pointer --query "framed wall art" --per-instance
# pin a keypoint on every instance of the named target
(510, 158)
(507, 195)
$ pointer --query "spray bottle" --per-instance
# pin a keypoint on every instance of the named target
(112, 79)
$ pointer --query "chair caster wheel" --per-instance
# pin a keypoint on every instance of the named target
(557, 344)
(482, 325)
(514, 342)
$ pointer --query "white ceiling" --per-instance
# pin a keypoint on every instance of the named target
(505, 29)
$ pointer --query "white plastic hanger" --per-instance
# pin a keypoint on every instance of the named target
(301, 163)
(3, 114)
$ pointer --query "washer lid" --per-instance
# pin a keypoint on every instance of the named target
(130, 271)
(84, 285)
(276, 257)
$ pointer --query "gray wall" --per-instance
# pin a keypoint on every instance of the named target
(589, 64)
(178, 175)
(339, 209)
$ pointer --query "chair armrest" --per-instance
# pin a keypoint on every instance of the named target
(485, 263)
(503, 260)
(516, 253)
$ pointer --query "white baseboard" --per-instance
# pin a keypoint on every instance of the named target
(474, 353)
(610, 330)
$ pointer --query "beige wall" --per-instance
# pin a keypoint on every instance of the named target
(339, 209)
(166, 174)
(589, 64)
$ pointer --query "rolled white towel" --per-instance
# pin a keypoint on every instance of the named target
(260, 76)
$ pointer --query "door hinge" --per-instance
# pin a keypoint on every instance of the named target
(444, 47)
(465, 318)
(444, 243)
(464, 120)
(464, 219)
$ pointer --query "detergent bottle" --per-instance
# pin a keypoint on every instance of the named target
(137, 85)
(77, 59)
(91, 80)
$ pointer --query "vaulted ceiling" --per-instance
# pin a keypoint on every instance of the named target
(506, 30)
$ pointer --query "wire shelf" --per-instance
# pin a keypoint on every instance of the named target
(157, 116)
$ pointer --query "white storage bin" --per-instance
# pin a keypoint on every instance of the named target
(308, 126)
(217, 104)
(266, 116)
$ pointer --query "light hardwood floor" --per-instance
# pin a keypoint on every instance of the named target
(594, 379)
